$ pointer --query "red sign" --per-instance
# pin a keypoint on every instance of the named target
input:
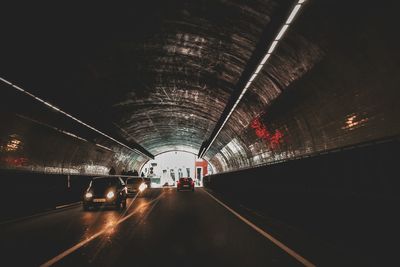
(262, 132)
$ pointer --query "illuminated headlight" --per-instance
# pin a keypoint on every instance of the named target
(88, 195)
(110, 194)
(142, 187)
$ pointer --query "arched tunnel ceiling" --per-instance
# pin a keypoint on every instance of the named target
(161, 73)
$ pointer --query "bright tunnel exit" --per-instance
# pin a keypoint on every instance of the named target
(168, 167)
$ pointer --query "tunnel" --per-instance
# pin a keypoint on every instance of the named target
(293, 105)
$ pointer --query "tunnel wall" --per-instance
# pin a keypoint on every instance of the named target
(25, 193)
(34, 137)
(29, 145)
(337, 197)
(331, 82)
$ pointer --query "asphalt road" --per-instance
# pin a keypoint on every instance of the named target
(165, 228)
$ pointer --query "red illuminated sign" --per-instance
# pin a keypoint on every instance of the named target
(262, 132)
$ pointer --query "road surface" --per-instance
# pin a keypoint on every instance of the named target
(165, 228)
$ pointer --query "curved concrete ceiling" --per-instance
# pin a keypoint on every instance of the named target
(161, 74)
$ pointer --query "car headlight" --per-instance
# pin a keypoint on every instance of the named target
(142, 187)
(88, 195)
(110, 194)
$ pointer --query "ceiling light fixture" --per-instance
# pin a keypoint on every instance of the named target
(271, 49)
(70, 116)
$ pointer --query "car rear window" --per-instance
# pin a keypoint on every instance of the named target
(185, 179)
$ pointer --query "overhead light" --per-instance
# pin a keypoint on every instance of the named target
(253, 77)
(51, 106)
(266, 57)
(293, 14)
(258, 69)
(272, 47)
(70, 116)
(282, 32)
(73, 135)
(104, 147)
(7, 82)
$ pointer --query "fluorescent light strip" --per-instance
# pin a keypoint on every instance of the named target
(272, 47)
(282, 32)
(222, 126)
(293, 14)
(253, 77)
(266, 57)
(5, 81)
(70, 116)
(201, 151)
(52, 127)
(71, 134)
(260, 66)
(104, 147)
(258, 69)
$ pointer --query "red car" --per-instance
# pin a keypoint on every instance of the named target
(185, 183)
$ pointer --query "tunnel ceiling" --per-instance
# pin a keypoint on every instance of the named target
(161, 73)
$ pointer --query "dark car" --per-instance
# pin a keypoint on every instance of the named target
(135, 185)
(185, 183)
(147, 181)
(105, 191)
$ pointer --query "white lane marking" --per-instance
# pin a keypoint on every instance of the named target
(68, 205)
(84, 242)
(285, 248)
(40, 214)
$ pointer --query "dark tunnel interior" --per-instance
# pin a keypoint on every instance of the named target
(159, 79)
(87, 89)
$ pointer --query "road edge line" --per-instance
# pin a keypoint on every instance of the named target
(278, 243)
(41, 213)
(72, 249)
(68, 205)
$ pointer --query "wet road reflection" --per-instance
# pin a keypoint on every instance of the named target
(165, 227)
(43, 237)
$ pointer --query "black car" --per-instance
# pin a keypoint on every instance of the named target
(135, 185)
(105, 191)
(147, 181)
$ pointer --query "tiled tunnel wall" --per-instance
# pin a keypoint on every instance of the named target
(33, 138)
(331, 82)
